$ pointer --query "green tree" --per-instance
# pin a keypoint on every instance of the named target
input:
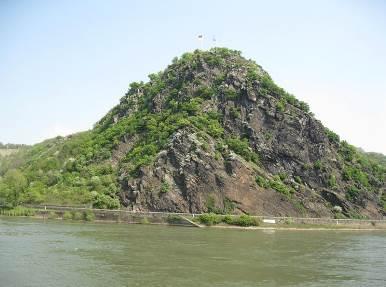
(34, 193)
(12, 187)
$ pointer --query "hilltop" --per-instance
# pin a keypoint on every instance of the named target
(210, 133)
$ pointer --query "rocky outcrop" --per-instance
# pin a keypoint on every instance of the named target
(189, 174)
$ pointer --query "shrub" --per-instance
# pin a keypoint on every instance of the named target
(210, 204)
(280, 105)
(174, 219)
(331, 182)
(332, 137)
(289, 221)
(279, 186)
(18, 211)
(13, 185)
(291, 99)
(352, 193)
(209, 218)
(145, 220)
(230, 94)
(52, 215)
(164, 187)
(227, 219)
(261, 181)
(76, 215)
(234, 113)
(339, 215)
(88, 215)
(283, 176)
(242, 220)
(192, 107)
(347, 151)
(229, 206)
(318, 165)
(245, 220)
(269, 87)
(104, 201)
(242, 148)
(298, 179)
(204, 92)
(251, 74)
(307, 166)
(67, 215)
(304, 106)
(353, 173)
(219, 79)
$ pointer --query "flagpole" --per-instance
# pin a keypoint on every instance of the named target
(200, 39)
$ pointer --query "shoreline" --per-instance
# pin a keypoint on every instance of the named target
(264, 227)
(327, 228)
(240, 222)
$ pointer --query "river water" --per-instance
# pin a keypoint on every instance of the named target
(58, 254)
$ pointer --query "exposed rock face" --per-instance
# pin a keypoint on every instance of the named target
(289, 141)
(210, 133)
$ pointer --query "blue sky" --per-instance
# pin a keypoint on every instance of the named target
(64, 64)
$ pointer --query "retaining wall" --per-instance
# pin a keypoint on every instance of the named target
(126, 216)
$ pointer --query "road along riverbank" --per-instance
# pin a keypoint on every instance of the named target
(193, 220)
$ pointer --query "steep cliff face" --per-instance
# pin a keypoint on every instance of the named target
(213, 133)
(246, 146)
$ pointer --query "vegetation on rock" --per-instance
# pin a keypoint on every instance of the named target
(192, 123)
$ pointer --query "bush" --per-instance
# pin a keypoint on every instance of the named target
(262, 182)
(252, 74)
(76, 215)
(242, 220)
(298, 179)
(174, 219)
(347, 151)
(355, 174)
(88, 215)
(331, 182)
(13, 184)
(245, 220)
(229, 206)
(204, 92)
(18, 211)
(304, 107)
(318, 165)
(165, 187)
(332, 137)
(52, 215)
(242, 148)
(67, 215)
(145, 220)
(279, 186)
(104, 201)
(234, 113)
(281, 105)
(230, 94)
(209, 218)
(352, 194)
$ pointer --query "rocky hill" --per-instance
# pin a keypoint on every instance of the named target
(211, 133)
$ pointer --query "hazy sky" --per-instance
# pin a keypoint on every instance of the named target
(64, 64)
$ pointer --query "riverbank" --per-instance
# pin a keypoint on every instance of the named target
(194, 220)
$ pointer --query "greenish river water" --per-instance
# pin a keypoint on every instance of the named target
(53, 253)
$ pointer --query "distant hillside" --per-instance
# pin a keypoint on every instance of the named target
(12, 146)
(4, 152)
(374, 156)
(7, 149)
(210, 133)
